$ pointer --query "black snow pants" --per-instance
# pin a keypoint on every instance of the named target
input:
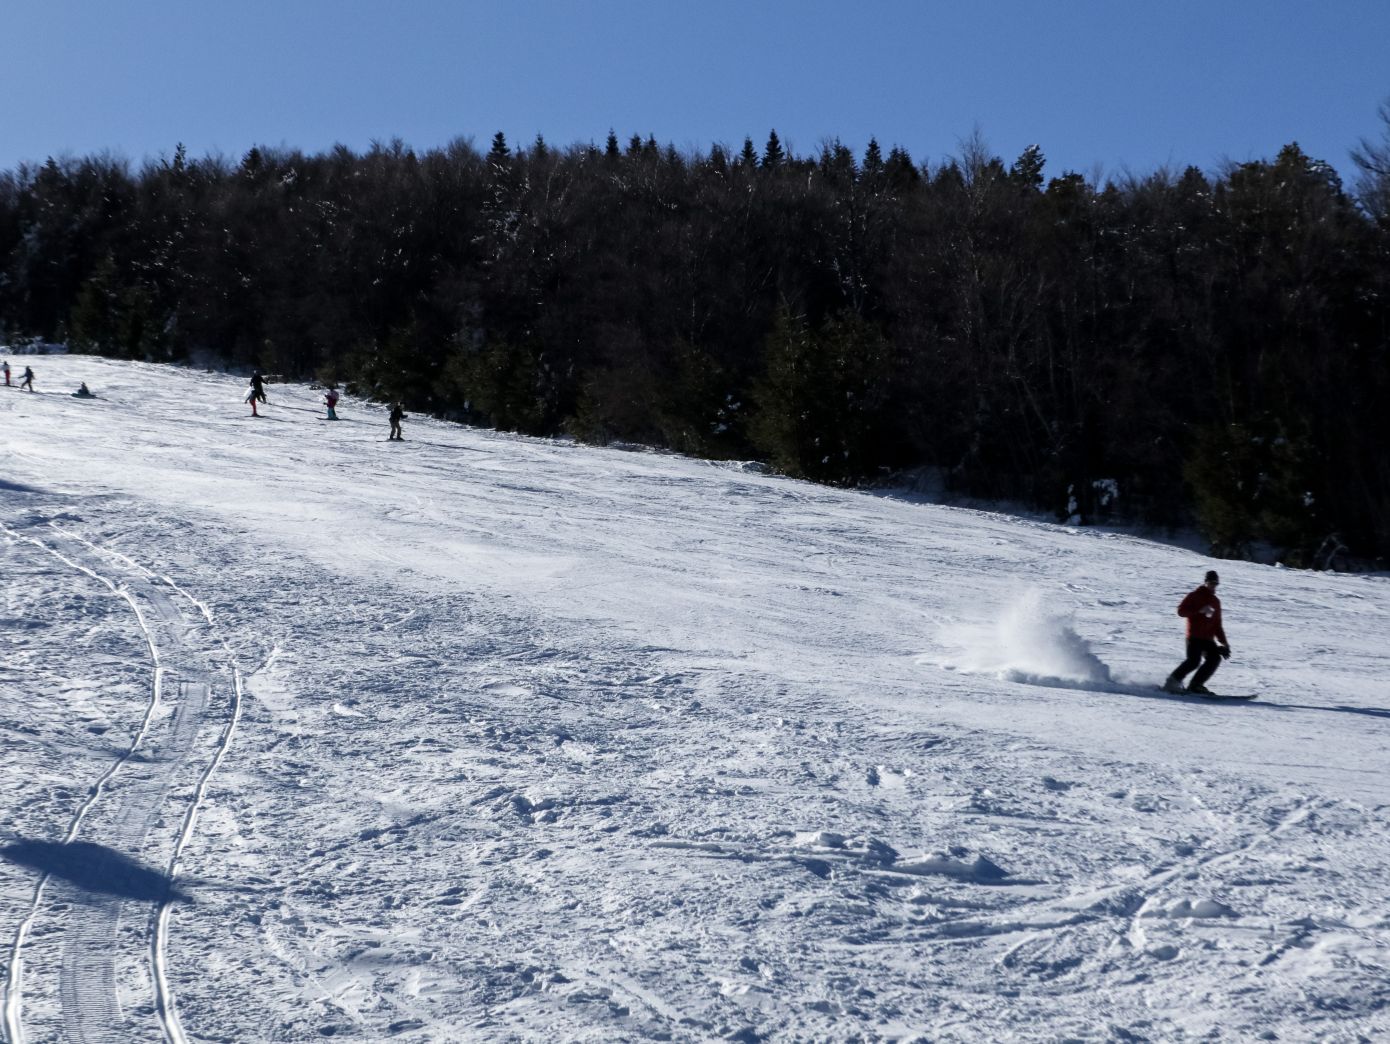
(1202, 651)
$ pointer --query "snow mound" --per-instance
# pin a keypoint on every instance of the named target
(1204, 909)
(979, 869)
(819, 839)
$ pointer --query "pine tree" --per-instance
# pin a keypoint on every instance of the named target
(773, 156)
(500, 155)
(820, 411)
(1027, 170)
(900, 171)
(95, 318)
(873, 159)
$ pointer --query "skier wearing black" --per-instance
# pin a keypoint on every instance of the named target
(397, 415)
(258, 385)
(28, 381)
(1206, 638)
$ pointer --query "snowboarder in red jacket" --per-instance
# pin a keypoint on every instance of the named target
(1206, 638)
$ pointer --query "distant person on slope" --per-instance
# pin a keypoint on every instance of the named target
(397, 415)
(83, 392)
(257, 392)
(28, 381)
(330, 399)
(1202, 611)
(7, 373)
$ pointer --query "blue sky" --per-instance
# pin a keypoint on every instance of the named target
(1113, 85)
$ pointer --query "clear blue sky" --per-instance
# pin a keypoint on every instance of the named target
(1126, 84)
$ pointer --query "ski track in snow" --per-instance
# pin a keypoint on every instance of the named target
(545, 742)
(125, 816)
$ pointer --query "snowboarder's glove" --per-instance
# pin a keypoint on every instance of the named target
(1208, 611)
(1225, 652)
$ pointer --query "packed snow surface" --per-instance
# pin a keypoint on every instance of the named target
(308, 734)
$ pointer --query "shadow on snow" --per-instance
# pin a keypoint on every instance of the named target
(94, 868)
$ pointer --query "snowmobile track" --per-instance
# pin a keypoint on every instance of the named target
(133, 810)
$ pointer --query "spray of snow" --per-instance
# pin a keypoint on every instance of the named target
(1028, 642)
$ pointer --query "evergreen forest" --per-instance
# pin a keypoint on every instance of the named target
(1172, 348)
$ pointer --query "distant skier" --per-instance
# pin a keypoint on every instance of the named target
(28, 381)
(397, 415)
(255, 391)
(7, 373)
(1202, 611)
(83, 392)
(330, 399)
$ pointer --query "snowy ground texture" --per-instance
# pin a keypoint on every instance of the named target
(307, 734)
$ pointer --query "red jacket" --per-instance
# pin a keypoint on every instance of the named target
(1202, 610)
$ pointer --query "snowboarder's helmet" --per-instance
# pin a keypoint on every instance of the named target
(1212, 578)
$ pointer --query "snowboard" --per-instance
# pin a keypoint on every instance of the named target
(1210, 695)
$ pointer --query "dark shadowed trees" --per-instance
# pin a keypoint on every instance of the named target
(1165, 347)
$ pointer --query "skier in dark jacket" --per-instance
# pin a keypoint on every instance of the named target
(28, 381)
(397, 415)
(256, 391)
(1206, 638)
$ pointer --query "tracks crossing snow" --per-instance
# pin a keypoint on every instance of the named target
(109, 886)
(560, 743)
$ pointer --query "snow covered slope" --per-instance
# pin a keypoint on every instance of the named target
(478, 737)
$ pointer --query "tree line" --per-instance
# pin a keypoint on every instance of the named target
(1165, 348)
